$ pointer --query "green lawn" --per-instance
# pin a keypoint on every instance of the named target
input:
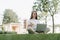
(29, 36)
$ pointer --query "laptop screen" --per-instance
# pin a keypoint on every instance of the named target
(41, 27)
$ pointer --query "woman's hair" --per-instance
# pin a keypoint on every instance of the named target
(32, 15)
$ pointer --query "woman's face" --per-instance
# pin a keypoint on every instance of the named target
(34, 14)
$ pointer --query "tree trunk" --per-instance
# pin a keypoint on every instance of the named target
(46, 20)
(53, 22)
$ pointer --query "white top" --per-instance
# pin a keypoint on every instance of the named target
(34, 22)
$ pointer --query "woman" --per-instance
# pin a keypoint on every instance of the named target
(32, 23)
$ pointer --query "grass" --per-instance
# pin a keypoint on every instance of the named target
(29, 36)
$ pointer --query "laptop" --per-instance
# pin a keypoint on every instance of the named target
(41, 27)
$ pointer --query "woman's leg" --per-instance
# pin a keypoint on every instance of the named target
(31, 31)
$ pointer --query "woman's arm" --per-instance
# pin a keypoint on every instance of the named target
(31, 24)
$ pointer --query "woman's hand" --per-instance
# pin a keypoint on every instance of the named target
(31, 24)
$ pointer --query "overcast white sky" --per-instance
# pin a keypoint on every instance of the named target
(22, 8)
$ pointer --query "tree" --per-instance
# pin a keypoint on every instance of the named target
(53, 10)
(9, 16)
(43, 7)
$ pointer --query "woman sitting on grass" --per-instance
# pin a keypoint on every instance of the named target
(32, 23)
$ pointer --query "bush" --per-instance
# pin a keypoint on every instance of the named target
(30, 37)
(1, 32)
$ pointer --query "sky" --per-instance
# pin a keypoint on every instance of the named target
(22, 8)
